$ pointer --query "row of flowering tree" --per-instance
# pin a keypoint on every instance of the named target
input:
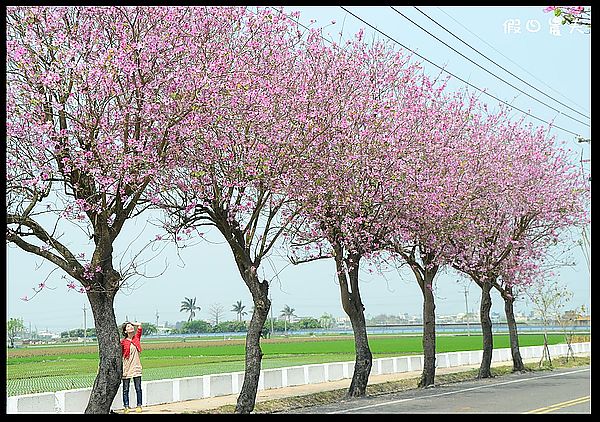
(234, 119)
(402, 168)
(98, 98)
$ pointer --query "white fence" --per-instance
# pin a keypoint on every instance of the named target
(181, 389)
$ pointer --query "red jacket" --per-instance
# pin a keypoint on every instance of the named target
(126, 343)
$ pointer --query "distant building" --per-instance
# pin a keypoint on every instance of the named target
(295, 318)
(445, 319)
(521, 317)
(404, 317)
(164, 330)
(575, 318)
(47, 335)
(343, 322)
(415, 319)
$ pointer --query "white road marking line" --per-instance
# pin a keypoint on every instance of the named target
(458, 391)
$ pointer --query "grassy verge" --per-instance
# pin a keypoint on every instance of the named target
(327, 397)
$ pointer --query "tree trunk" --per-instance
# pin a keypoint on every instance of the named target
(364, 358)
(262, 304)
(486, 328)
(352, 304)
(428, 374)
(110, 369)
(518, 365)
(546, 351)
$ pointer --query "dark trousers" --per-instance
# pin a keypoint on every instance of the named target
(137, 383)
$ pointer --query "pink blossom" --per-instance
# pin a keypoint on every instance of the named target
(575, 10)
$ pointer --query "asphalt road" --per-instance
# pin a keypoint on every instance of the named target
(566, 390)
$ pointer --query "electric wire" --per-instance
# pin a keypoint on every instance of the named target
(513, 62)
(486, 70)
(457, 77)
(500, 66)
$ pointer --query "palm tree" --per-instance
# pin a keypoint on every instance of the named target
(287, 313)
(238, 308)
(189, 305)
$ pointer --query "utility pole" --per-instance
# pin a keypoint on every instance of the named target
(585, 243)
(271, 300)
(157, 318)
(466, 291)
(84, 324)
(581, 139)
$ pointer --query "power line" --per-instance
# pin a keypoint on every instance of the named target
(513, 62)
(443, 70)
(484, 69)
(501, 67)
(457, 77)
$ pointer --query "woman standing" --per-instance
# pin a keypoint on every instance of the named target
(131, 348)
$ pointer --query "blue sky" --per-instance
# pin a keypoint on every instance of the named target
(524, 41)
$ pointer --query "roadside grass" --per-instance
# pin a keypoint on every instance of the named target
(287, 404)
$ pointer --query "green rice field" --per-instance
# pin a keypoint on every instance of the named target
(37, 369)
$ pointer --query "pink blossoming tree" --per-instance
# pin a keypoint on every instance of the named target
(439, 192)
(532, 193)
(572, 15)
(343, 180)
(95, 95)
(229, 173)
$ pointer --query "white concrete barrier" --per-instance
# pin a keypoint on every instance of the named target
(181, 389)
(33, 403)
(335, 371)
(501, 355)
(190, 388)
(295, 375)
(475, 357)
(416, 363)
(157, 392)
(273, 378)
(442, 360)
(454, 358)
(74, 401)
(402, 364)
(238, 382)
(463, 358)
(316, 374)
(220, 384)
(386, 365)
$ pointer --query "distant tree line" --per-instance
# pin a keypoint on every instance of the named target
(147, 328)
(200, 326)
(193, 327)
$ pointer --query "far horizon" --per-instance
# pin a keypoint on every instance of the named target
(342, 320)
